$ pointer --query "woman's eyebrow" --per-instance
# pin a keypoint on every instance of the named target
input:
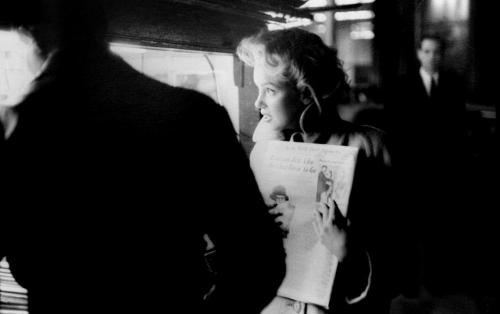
(268, 84)
(276, 84)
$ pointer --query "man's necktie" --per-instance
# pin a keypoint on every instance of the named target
(432, 90)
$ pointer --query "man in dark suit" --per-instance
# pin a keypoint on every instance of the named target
(431, 100)
(98, 214)
(427, 124)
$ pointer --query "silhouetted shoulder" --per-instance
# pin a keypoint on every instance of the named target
(123, 93)
(137, 85)
(370, 140)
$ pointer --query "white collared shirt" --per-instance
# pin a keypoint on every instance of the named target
(426, 78)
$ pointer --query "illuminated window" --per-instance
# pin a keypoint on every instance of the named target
(354, 15)
(208, 73)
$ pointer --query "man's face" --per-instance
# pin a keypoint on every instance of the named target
(430, 55)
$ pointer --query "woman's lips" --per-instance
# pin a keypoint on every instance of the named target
(266, 118)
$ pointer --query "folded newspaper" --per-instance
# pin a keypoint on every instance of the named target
(295, 179)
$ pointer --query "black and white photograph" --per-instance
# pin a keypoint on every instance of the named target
(249, 156)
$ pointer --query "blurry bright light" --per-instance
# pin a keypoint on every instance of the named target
(12, 41)
(274, 14)
(315, 4)
(354, 15)
(362, 30)
(452, 10)
(347, 2)
(321, 29)
(274, 26)
(289, 21)
(19, 64)
(299, 22)
(320, 17)
(122, 48)
(365, 34)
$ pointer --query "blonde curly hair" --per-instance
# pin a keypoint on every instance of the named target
(300, 59)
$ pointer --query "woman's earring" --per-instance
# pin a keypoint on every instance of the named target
(310, 117)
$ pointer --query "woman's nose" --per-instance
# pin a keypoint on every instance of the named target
(259, 103)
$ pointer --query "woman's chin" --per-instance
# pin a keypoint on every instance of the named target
(265, 130)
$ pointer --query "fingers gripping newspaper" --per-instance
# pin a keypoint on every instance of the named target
(298, 180)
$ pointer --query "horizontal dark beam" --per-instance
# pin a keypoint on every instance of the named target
(253, 9)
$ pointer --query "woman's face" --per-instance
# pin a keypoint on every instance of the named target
(278, 102)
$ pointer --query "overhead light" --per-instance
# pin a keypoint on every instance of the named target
(274, 14)
(320, 17)
(315, 4)
(354, 15)
(349, 2)
(292, 22)
(364, 34)
(288, 21)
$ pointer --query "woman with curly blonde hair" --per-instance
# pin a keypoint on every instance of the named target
(300, 83)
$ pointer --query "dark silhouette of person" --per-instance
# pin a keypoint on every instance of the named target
(427, 117)
(97, 216)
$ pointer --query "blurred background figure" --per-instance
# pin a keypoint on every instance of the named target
(427, 115)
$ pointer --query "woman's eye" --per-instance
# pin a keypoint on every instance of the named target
(270, 91)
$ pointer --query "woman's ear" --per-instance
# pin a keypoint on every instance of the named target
(306, 95)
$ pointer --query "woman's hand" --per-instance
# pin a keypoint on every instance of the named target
(283, 214)
(330, 229)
